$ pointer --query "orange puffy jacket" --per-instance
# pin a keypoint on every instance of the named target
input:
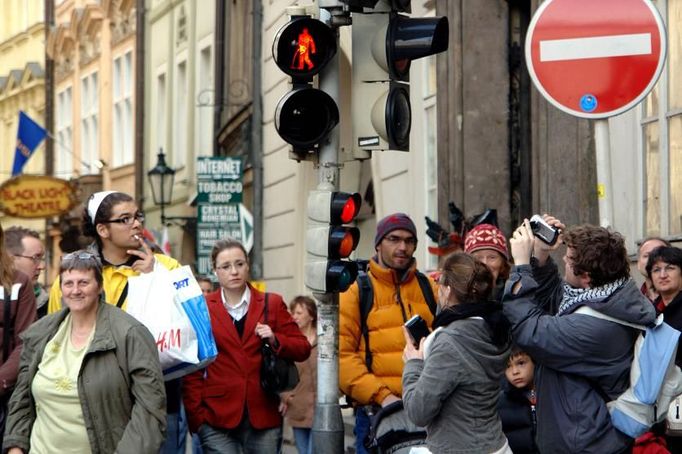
(386, 340)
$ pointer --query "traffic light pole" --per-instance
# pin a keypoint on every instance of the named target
(327, 434)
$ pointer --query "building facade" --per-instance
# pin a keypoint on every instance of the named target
(179, 105)
(22, 87)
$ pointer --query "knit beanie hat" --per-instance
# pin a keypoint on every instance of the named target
(395, 221)
(486, 236)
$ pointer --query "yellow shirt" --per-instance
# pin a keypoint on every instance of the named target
(115, 280)
(59, 424)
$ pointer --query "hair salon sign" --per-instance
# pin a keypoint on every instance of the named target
(32, 196)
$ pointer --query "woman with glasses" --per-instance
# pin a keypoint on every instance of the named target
(451, 380)
(225, 403)
(89, 377)
(18, 312)
(115, 221)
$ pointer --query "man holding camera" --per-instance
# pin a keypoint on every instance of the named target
(370, 350)
(583, 361)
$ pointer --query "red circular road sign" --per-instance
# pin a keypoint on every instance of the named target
(595, 59)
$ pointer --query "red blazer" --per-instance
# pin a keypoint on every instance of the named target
(218, 394)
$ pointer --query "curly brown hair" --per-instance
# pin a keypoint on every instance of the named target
(599, 252)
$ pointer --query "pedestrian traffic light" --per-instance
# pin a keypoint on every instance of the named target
(329, 242)
(384, 45)
(305, 116)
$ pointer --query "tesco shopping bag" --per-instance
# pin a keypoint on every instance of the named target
(189, 296)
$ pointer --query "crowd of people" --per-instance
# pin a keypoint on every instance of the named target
(509, 362)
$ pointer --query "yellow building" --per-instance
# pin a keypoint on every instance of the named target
(92, 44)
(22, 86)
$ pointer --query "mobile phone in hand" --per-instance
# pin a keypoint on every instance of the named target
(417, 328)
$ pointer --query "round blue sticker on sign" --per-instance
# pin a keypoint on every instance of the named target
(588, 103)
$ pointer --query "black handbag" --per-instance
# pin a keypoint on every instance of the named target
(276, 374)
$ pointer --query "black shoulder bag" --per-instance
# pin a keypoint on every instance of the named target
(276, 374)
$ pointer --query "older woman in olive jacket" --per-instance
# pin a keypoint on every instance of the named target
(119, 383)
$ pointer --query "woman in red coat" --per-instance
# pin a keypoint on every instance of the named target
(225, 403)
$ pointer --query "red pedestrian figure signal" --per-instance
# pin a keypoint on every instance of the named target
(305, 46)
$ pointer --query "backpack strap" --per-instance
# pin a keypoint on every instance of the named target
(427, 291)
(366, 301)
(586, 310)
(265, 309)
(124, 295)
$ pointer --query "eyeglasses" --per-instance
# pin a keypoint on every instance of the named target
(228, 266)
(36, 259)
(668, 269)
(126, 220)
(81, 256)
(410, 241)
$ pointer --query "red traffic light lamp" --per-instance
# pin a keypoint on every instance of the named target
(328, 241)
(303, 46)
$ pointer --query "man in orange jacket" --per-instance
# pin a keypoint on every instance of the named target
(371, 375)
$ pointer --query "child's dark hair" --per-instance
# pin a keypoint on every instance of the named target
(515, 352)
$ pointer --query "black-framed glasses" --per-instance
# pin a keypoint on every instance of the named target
(36, 259)
(127, 220)
(393, 239)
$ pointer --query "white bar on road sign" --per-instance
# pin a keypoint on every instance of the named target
(595, 47)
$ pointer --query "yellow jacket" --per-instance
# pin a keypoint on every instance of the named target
(386, 340)
(115, 280)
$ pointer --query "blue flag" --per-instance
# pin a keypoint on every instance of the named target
(29, 136)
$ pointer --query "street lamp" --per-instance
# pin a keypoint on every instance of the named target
(161, 180)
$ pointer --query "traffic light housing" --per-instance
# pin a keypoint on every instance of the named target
(384, 45)
(329, 241)
(305, 116)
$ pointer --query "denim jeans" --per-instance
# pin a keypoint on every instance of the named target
(243, 439)
(176, 433)
(304, 440)
(361, 430)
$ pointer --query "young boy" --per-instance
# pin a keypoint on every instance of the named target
(517, 403)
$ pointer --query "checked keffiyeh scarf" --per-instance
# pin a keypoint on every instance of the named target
(573, 296)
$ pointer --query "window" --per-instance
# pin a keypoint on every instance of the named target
(123, 127)
(160, 116)
(204, 117)
(661, 135)
(89, 123)
(63, 148)
(180, 116)
(430, 136)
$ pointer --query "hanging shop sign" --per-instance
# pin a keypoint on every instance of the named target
(33, 196)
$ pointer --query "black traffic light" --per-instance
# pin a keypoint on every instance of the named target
(384, 45)
(329, 241)
(305, 116)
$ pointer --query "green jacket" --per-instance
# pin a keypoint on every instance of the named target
(120, 385)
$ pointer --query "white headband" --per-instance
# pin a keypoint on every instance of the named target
(95, 201)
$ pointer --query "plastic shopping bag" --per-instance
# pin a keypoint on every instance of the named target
(189, 296)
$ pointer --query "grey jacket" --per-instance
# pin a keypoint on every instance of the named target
(120, 385)
(578, 358)
(454, 391)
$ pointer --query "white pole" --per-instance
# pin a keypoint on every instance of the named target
(604, 186)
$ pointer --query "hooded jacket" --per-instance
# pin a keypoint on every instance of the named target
(395, 302)
(119, 384)
(579, 358)
(454, 391)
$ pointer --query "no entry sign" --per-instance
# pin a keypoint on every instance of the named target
(595, 58)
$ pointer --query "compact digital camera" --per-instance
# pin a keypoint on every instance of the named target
(543, 231)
